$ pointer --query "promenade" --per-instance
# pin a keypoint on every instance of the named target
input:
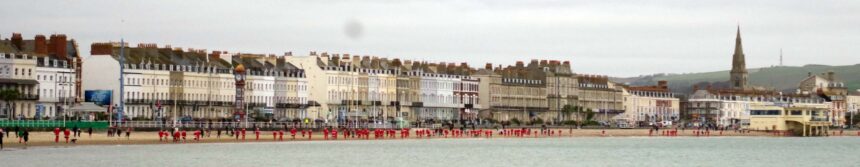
(46, 139)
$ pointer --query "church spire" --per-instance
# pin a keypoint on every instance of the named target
(739, 69)
(739, 49)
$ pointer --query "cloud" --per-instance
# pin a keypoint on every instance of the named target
(619, 38)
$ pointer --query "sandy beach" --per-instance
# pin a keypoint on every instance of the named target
(46, 139)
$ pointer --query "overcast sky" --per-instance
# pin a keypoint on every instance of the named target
(617, 38)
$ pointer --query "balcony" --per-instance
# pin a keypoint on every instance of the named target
(67, 99)
(28, 97)
(819, 119)
(290, 105)
(256, 105)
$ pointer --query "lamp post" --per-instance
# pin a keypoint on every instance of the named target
(853, 107)
(121, 107)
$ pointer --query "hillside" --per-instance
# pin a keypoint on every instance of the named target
(785, 78)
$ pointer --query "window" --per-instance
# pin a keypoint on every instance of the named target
(765, 112)
(796, 112)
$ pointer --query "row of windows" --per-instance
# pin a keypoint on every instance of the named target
(60, 78)
(456, 99)
(24, 72)
(271, 87)
(518, 90)
(224, 83)
(269, 100)
(185, 96)
(510, 101)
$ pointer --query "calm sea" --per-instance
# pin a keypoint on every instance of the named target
(617, 151)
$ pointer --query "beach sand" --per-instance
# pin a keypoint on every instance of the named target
(46, 139)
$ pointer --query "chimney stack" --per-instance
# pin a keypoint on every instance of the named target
(831, 76)
(663, 84)
(58, 46)
(215, 55)
(41, 45)
(101, 49)
(18, 41)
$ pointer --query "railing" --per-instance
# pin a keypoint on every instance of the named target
(819, 119)
(28, 97)
(54, 124)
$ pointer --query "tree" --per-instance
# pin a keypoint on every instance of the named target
(566, 110)
(8, 95)
(589, 115)
(515, 121)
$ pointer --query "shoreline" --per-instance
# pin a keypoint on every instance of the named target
(46, 139)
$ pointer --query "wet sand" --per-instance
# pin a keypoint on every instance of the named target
(46, 139)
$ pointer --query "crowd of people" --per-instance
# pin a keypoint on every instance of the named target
(177, 135)
(22, 134)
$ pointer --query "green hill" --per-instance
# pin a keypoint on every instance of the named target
(785, 78)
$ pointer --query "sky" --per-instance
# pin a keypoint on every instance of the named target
(615, 38)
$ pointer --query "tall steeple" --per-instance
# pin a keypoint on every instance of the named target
(739, 74)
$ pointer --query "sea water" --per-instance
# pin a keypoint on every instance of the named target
(580, 151)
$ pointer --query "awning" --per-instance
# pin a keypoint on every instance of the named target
(18, 81)
(87, 107)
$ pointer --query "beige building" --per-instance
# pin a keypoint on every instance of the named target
(603, 97)
(802, 120)
(514, 92)
(561, 88)
(274, 88)
(163, 82)
(408, 90)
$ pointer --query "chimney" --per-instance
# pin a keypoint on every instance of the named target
(831, 76)
(663, 84)
(41, 45)
(489, 66)
(566, 64)
(520, 64)
(215, 55)
(101, 49)
(18, 41)
(58, 43)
